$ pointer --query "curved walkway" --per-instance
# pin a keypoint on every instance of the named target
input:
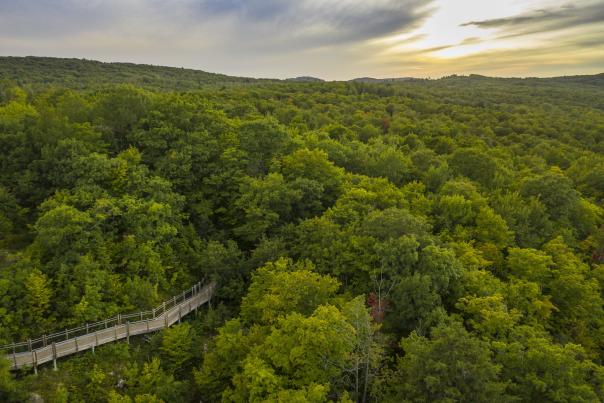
(50, 347)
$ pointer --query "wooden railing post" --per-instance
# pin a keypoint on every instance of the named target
(128, 332)
(54, 356)
(14, 355)
(35, 360)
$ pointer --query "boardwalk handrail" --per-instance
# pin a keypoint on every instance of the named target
(44, 341)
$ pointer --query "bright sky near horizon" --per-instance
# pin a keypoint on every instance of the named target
(324, 38)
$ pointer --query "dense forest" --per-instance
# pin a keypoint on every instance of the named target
(40, 72)
(416, 240)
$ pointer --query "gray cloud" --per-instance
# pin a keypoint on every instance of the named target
(301, 23)
(572, 15)
(248, 10)
(31, 18)
(308, 23)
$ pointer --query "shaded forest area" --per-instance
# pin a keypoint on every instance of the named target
(421, 240)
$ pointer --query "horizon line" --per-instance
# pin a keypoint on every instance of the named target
(304, 75)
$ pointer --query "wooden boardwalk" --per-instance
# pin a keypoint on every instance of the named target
(51, 347)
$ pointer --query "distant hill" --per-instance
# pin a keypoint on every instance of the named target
(82, 73)
(595, 79)
(371, 80)
(306, 79)
(35, 72)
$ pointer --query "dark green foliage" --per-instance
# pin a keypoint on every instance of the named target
(8, 386)
(449, 366)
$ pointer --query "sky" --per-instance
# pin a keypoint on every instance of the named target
(333, 40)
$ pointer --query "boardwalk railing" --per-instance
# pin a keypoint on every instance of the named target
(70, 341)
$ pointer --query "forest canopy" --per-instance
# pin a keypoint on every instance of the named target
(421, 240)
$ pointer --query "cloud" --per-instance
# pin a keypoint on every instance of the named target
(304, 24)
(546, 20)
(247, 37)
(471, 41)
(328, 38)
(259, 23)
(33, 18)
(582, 54)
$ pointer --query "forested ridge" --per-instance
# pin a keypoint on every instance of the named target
(416, 240)
(37, 72)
